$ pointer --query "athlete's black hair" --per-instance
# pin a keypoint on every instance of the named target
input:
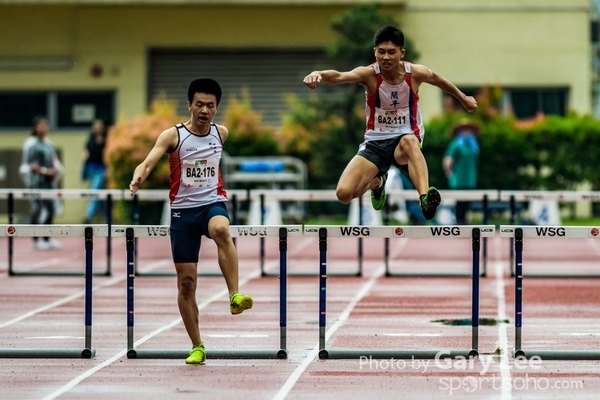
(204, 85)
(389, 33)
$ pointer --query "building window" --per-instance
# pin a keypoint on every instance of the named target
(64, 109)
(526, 103)
(522, 102)
(18, 109)
(80, 109)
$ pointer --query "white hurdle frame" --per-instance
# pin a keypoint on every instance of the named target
(514, 196)
(88, 233)
(281, 231)
(323, 232)
(518, 233)
(60, 194)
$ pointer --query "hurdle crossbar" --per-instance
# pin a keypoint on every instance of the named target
(518, 233)
(324, 232)
(163, 195)
(59, 194)
(52, 231)
(282, 232)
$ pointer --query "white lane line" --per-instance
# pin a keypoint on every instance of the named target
(254, 336)
(505, 392)
(54, 337)
(579, 334)
(412, 334)
(297, 373)
(289, 384)
(227, 336)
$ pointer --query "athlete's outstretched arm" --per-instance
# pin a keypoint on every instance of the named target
(424, 74)
(357, 75)
(166, 140)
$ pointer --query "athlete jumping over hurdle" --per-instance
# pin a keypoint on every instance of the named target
(197, 203)
(394, 131)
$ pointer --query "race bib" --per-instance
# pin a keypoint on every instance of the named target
(200, 173)
(392, 120)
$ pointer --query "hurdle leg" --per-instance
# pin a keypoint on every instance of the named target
(262, 239)
(518, 290)
(109, 205)
(386, 241)
(475, 294)
(485, 240)
(360, 240)
(322, 291)
(88, 351)
(130, 245)
(282, 353)
(11, 220)
(512, 240)
(136, 221)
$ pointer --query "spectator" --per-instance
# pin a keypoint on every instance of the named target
(461, 163)
(94, 168)
(41, 169)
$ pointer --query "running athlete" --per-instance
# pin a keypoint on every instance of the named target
(394, 132)
(197, 203)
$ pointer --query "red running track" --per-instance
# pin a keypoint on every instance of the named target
(372, 312)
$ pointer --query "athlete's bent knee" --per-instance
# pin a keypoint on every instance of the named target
(343, 196)
(409, 142)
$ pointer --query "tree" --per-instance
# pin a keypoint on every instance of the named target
(248, 136)
(128, 144)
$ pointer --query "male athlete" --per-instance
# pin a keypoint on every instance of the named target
(197, 203)
(394, 132)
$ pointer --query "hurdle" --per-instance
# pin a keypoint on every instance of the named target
(282, 232)
(485, 196)
(324, 232)
(163, 195)
(302, 195)
(514, 196)
(518, 233)
(88, 232)
(59, 194)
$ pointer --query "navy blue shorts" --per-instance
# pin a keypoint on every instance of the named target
(187, 227)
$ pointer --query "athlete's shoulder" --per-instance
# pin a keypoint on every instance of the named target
(223, 131)
(418, 69)
(171, 131)
(369, 70)
(170, 137)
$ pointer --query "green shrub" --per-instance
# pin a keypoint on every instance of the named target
(129, 143)
(248, 136)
